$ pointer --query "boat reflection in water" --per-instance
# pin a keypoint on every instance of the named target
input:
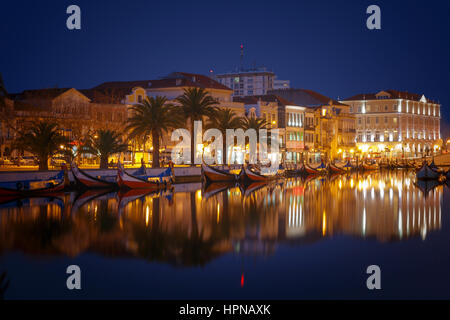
(191, 225)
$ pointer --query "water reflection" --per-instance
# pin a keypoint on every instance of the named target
(192, 225)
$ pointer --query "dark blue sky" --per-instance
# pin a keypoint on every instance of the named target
(319, 45)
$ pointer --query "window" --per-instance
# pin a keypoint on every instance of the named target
(385, 120)
(359, 120)
(139, 98)
(385, 108)
(376, 120)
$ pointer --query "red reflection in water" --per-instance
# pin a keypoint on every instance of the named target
(242, 280)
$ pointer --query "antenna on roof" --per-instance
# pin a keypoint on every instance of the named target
(241, 65)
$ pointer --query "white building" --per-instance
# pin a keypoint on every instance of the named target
(251, 82)
(397, 123)
(281, 84)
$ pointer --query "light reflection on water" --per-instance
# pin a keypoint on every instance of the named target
(192, 226)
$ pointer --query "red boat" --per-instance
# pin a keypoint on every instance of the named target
(215, 175)
(248, 174)
(335, 169)
(126, 180)
(310, 170)
(89, 181)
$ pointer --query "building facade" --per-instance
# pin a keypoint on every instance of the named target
(283, 115)
(78, 113)
(329, 126)
(170, 86)
(251, 82)
(392, 123)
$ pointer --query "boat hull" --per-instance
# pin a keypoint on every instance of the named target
(88, 181)
(215, 175)
(41, 191)
(334, 169)
(128, 181)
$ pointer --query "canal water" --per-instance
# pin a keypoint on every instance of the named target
(289, 239)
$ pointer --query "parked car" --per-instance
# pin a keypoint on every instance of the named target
(57, 162)
(28, 161)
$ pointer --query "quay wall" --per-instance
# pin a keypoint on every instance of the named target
(182, 174)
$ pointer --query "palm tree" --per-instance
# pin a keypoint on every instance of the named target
(152, 118)
(104, 144)
(196, 104)
(254, 123)
(224, 119)
(42, 139)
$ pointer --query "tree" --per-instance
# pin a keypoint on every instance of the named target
(42, 139)
(257, 124)
(3, 92)
(104, 144)
(254, 123)
(224, 119)
(196, 103)
(153, 117)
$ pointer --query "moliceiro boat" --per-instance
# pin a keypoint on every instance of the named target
(211, 174)
(248, 174)
(427, 173)
(306, 170)
(254, 174)
(87, 181)
(126, 180)
(31, 188)
(332, 169)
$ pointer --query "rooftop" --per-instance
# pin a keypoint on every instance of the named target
(265, 98)
(174, 79)
(305, 97)
(388, 94)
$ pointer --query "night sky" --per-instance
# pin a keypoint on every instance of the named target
(319, 45)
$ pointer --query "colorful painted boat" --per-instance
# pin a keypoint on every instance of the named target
(126, 180)
(87, 181)
(321, 168)
(249, 175)
(369, 167)
(310, 170)
(427, 173)
(348, 166)
(211, 174)
(29, 188)
(333, 169)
